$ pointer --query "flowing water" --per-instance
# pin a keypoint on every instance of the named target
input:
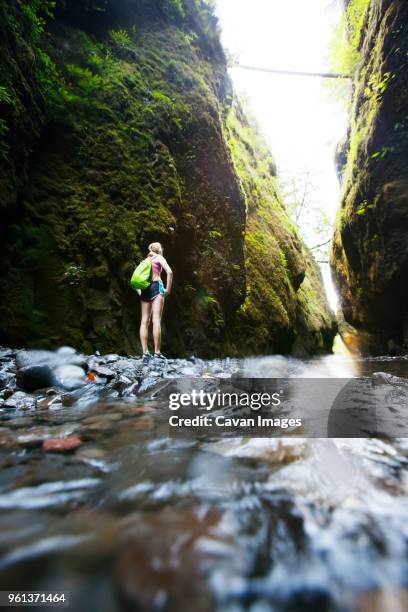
(135, 520)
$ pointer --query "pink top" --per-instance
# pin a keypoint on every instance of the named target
(157, 267)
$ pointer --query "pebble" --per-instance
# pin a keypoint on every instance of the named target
(91, 453)
(54, 401)
(100, 425)
(62, 445)
(96, 418)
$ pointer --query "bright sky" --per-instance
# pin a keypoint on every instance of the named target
(300, 120)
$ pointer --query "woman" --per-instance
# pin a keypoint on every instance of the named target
(152, 301)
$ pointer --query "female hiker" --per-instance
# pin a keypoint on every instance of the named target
(152, 301)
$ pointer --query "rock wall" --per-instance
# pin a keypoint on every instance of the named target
(370, 252)
(116, 131)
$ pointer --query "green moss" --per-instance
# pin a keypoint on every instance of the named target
(367, 263)
(275, 308)
(134, 141)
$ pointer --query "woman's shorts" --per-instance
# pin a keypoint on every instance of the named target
(151, 292)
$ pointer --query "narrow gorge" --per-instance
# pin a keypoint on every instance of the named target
(119, 126)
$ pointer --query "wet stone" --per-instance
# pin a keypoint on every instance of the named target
(19, 422)
(54, 401)
(68, 399)
(140, 424)
(155, 548)
(20, 401)
(7, 439)
(6, 354)
(5, 378)
(5, 393)
(66, 351)
(99, 425)
(188, 372)
(70, 377)
(33, 377)
(102, 417)
(104, 372)
(34, 436)
(389, 379)
(125, 363)
(91, 453)
(111, 358)
(62, 445)
(140, 410)
(31, 358)
(121, 383)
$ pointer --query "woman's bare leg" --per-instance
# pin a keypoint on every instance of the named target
(157, 311)
(144, 324)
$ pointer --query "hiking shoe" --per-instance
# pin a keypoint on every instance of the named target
(146, 357)
(159, 356)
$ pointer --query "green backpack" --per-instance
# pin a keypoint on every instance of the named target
(141, 276)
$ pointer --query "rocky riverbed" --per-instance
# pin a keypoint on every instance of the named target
(97, 501)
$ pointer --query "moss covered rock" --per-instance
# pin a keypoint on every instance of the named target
(370, 252)
(122, 131)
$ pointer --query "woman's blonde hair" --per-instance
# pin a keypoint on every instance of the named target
(156, 247)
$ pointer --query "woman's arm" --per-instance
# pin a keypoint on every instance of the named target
(168, 271)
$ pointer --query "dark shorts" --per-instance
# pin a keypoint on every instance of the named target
(152, 291)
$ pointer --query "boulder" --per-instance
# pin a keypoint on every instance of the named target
(33, 377)
(69, 377)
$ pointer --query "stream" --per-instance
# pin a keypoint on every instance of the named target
(130, 519)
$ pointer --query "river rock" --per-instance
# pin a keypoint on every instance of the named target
(66, 351)
(51, 401)
(5, 378)
(6, 354)
(140, 424)
(7, 392)
(111, 358)
(7, 439)
(33, 377)
(19, 422)
(70, 377)
(20, 401)
(121, 383)
(34, 436)
(188, 372)
(104, 372)
(164, 554)
(62, 445)
(389, 379)
(91, 453)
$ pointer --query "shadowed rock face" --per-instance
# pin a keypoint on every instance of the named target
(120, 133)
(370, 253)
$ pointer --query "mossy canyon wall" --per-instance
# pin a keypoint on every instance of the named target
(370, 253)
(119, 127)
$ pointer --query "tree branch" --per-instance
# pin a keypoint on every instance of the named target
(317, 246)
